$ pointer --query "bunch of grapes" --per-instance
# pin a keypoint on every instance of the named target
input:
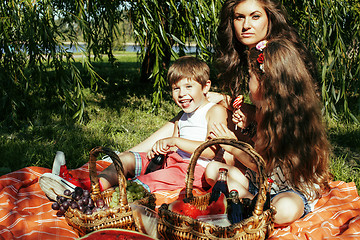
(134, 191)
(79, 199)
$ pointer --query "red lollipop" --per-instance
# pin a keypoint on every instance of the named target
(238, 101)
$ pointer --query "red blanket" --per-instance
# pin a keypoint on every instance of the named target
(25, 211)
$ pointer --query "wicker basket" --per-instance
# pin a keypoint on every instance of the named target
(120, 217)
(258, 226)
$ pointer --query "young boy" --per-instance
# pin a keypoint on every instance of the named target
(189, 81)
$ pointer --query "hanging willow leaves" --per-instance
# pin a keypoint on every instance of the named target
(35, 65)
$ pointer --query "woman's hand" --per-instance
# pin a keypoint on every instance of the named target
(244, 116)
(220, 130)
(219, 98)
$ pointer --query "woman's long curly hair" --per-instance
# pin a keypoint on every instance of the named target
(290, 130)
(231, 53)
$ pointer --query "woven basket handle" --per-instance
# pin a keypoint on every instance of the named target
(95, 186)
(242, 146)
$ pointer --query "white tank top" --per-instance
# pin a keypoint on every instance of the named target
(193, 126)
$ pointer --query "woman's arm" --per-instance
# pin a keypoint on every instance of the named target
(221, 130)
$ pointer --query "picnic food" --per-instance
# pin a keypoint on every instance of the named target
(78, 199)
(134, 191)
(220, 186)
(219, 206)
(236, 209)
(187, 209)
(238, 102)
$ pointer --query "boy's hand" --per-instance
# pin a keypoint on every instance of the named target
(161, 146)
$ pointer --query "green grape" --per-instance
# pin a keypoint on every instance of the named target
(139, 188)
(139, 195)
(131, 188)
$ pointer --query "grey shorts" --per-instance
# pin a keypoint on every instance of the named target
(254, 190)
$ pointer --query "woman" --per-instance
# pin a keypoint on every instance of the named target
(290, 135)
(244, 23)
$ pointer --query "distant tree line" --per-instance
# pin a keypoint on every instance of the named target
(35, 65)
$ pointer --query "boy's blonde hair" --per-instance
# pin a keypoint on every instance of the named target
(189, 67)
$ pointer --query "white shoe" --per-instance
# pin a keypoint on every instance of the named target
(58, 162)
(106, 158)
(53, 185)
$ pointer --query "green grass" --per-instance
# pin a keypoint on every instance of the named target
(119, 116)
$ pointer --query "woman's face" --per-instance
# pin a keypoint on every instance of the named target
(250, 22)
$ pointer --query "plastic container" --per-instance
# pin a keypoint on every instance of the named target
(220, 220)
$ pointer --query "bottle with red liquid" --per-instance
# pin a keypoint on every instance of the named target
(220, 186)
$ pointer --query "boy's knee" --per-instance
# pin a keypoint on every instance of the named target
(128, 161)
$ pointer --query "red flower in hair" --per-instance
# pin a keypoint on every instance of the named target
(260, 59)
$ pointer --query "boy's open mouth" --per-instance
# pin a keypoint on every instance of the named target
(185, 103)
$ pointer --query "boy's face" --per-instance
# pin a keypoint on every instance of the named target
(189, 95)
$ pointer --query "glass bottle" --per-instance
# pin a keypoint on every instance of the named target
(236, 209)
(155, 163)
(220, 186)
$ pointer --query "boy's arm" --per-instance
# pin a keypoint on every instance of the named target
(165, 145)
(165, 131)
(218, 114)
(215, 114)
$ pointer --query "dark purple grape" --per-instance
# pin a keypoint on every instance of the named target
(77, 197)
(66, 205)
(79, 191)
(60, 213)
(88, 211)
(62, 208)
(74, 205)
(81, 208)
(100, 203)
(81, 202)
(85, 201)
(62, 199)
(67, 192)
(73, 195)
(91, 203)
(58, 198)
(55, 206)
(86, 193)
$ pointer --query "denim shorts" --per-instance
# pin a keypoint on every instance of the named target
(254, 190)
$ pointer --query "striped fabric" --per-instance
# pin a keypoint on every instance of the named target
(25, 212)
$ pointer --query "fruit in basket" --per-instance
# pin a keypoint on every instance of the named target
(79, 199)
(187, 209)
(134, 191)
(218, 207)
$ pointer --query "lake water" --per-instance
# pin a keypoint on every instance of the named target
(129, 48)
